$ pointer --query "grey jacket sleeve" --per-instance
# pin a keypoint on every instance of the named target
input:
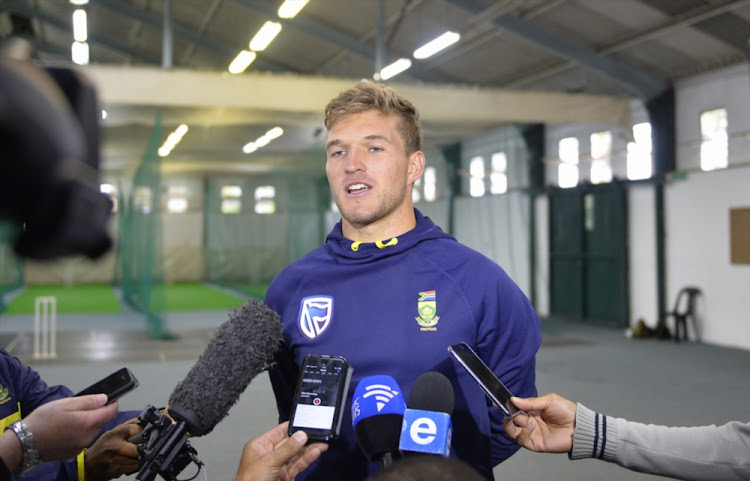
(704, 453)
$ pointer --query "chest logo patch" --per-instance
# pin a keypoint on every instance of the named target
(427, 310)
(4, 397)
(315, 315)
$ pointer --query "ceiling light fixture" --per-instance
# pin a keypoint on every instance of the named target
(275, 133)
(265, 36)
(263, 140)
(80, 32)
(79, 2)
(80, 53)
(395, 68)
(431, 48)
(290, 8)
(242, 61)
(172, 140)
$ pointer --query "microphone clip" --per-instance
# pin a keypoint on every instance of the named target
(163, 448)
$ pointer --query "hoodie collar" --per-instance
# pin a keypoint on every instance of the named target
(347, 250)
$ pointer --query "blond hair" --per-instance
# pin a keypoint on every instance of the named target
(366, 96)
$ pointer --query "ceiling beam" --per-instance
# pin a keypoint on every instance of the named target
(308, 95)
(637, 82)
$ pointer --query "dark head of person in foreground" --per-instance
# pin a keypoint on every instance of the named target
(427, 468)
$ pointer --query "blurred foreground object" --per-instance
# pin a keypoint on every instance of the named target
(49, 160)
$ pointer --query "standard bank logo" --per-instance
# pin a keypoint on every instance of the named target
(315, 315)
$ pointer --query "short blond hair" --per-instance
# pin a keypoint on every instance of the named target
(366, 96)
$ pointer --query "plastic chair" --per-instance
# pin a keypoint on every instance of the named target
(684, 308)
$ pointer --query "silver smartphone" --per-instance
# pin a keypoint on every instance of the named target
(483, 375)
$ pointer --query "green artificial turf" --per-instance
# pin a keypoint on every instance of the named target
(198, 297)
(256, 291)
(82, 298)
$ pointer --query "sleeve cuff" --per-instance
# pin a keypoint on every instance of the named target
(595, 435)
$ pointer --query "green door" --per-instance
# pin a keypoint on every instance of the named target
(588, 257)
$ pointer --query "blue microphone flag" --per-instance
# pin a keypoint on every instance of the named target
(426, 432)
(376, 395)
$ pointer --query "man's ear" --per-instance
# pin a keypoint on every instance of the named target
(416, 166)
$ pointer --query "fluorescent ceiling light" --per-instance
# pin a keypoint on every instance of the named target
(80, 53)
(80, 32)
(249, 148)
(79, 2)
(274, 133)
(395, 68)
(265, 35)
(242, 61)
(433, 47)
(262, 141)
(290, 8)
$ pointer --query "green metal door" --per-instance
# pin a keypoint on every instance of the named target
(588, 258)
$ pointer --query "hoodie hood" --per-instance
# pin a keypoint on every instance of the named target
(348, 251)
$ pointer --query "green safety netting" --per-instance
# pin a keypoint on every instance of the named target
(139, 266)
(244, 250)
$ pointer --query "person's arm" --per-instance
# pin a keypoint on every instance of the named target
(274, 456)
(706, 453)
(703, 453)
(283, 375)
(508, 338)
(60, 429)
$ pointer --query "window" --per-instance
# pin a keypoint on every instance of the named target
(567, 171)
(265, 199)
(499, 177)
(416, 192)
(714, 140)
(424, 187)
(476, 173)
(231, 199)
(111, 192)
(177, 199)
(430, 182)
(639, 152)
(601, 157)
(142, 199)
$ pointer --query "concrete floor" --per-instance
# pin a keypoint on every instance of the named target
(643, 380)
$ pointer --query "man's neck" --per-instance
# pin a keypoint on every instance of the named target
(378, 231)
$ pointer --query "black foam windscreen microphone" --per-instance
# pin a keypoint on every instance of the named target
(432, 391)
(427, 427)
(241, 348)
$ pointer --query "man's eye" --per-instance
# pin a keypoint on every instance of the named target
(376, 149)
(337, 153)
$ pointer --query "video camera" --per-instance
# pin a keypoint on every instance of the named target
(49, 161)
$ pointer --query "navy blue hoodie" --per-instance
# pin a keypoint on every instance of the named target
(393, 308)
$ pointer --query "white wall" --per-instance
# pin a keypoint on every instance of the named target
(697, 252)
(642, 255)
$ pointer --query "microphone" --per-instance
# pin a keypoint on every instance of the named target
(240, 349)
(427, 426)
(377, 412)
